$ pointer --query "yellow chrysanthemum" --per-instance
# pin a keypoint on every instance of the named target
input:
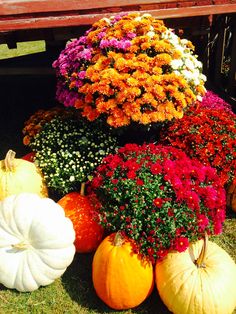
(145, 119)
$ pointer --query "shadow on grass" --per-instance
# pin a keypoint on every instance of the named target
(77, 281)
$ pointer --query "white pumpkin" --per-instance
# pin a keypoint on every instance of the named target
(36, 241)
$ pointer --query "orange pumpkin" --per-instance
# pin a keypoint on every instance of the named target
(121, 278)
(82, 211)
(231, 197)
(29, 157)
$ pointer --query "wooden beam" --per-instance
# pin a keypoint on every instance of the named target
(67, 19)
(13, 7)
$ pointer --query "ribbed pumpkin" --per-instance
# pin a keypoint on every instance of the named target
(18, 175)
(121, 278)
(198, 281)
(231, 197)
(82, 212)
(36, 242)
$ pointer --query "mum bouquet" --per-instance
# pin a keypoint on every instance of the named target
(208, 134)
(68, 149)
(159, 197)
(34, 124)
(212, 101)
(129, 68)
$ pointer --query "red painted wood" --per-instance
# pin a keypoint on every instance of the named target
(39, 14)
(10, 7)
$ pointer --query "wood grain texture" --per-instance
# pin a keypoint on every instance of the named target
(34, 14)
(8, 7)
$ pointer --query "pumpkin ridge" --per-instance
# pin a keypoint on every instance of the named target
(207, 286)
(20, 275)
(5, 226)
(18, 231)
(192, 294)
(29, 272)
(115, 253)
(208, 275)
(188, 271)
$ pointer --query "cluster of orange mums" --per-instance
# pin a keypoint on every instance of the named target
(137, 84)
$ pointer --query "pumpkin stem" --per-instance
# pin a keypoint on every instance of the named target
(200, 260)
(118, 239)
(82, 188)
(9, 160)
(21, 245)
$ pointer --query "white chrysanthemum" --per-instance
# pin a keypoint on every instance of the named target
(151, 34)
(68, 150)
(173, 39)
(176, 64)
(189, 64)
(188, 75)
(199, 98)
(146, 15)
(106, 20)
(203, 77)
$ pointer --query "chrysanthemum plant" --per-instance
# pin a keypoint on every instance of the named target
(34, 124)
(159, 197)
(68, 149)
(213, 101)
(207, 133)
(129, 69)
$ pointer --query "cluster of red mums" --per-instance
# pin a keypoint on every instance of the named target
(159, 197)
(207, 133)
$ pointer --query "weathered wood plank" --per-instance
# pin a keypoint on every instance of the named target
(75, 19)
(10, 7)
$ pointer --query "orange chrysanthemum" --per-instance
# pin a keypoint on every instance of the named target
(129, 59)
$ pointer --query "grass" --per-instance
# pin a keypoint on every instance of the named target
(74, 292)
(23, 48)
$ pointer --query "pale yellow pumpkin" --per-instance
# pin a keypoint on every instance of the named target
(18, 175)
(198, 283)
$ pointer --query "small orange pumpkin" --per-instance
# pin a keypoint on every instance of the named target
(121, 278)
(29, 157)
(82, 211)
(231, 197)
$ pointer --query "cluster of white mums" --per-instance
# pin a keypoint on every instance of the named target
(188, 65)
